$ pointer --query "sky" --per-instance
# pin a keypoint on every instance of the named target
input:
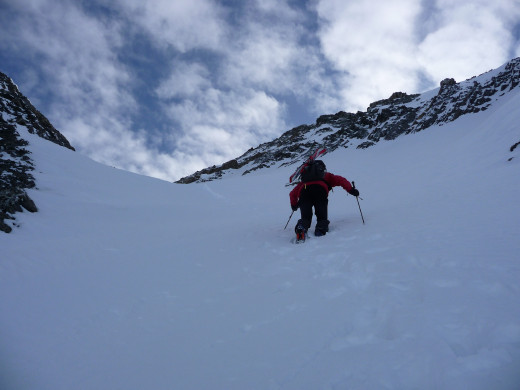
(167, 87)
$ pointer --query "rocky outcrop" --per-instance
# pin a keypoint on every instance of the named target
(385, 119)
(17, 109)
(16, 166)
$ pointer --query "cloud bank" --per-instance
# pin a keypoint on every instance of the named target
(165, 88)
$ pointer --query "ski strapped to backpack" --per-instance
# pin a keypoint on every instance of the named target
(297, 175)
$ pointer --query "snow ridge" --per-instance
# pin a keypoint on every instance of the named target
(384, 120)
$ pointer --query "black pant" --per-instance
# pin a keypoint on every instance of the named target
(314, 196)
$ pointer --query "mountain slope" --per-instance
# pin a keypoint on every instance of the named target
(123, 281)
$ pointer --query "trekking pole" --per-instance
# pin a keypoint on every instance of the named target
(288, 220)
(354, 186)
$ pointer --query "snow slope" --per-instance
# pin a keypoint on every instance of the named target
(126, 282)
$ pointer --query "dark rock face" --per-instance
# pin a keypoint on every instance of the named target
(385, 119)
(17, 109)
(16, 167)
(15, 163)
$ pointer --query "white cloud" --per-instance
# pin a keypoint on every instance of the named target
(468, 38)
(274, 51)
(274, 9)
(386, 46)
(220, 125)
(90, 87)
(263, 58)
(182, 24)
(234, 107)
(372, 43)
(67, 42)
(186, 80)
(76, 54)
(109, 142)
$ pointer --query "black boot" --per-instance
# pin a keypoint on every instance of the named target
(301, 231)
(322, 227)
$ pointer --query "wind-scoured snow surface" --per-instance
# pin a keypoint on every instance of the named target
(126, 282)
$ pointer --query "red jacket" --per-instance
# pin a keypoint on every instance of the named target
(330, 179)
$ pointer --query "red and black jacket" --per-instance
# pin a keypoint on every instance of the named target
(328, 182)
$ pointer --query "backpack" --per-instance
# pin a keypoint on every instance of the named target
(313, 171)
(296, 176)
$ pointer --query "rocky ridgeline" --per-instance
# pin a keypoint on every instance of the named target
(15, 163)
(385, 119)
